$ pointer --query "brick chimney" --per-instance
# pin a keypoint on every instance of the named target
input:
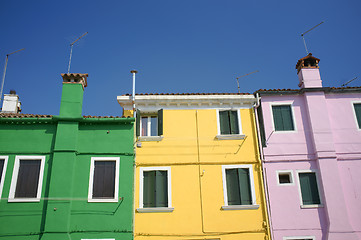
(11, 103)
(308, 72)
(72, 95)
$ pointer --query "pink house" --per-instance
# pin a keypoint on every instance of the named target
(311, 152)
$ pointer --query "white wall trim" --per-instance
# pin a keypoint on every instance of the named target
(354, 113)
(141, 181)
(3, 173)
(289, 103)
(292, 179)
(15, 179)
(318, 188)
(91, 179)
(250, 169)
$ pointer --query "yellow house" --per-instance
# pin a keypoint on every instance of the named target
(198, 173)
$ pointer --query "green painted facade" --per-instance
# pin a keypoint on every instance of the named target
(68, 142)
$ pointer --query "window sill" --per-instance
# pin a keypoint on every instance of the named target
(150, 138)
(155, 209)
(102, 200)
(312, 206)
(24, 200)
(240, 207)
(231, 137)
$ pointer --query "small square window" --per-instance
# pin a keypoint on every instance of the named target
(26, 183)
(228, 121)
(149, 125)
(285, 177)
(283, 118)
(103, 180)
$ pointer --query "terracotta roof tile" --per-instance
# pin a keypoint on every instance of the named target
(145, 94)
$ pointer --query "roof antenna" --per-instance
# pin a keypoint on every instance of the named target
(346, 83)
(242, 77)
(303, 34)
(6, 64)
(71, 49)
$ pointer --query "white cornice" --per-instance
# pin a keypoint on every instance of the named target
(154, 102)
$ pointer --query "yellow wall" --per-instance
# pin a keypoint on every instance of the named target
(196, 157)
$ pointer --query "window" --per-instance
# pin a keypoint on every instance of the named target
(149, 125)
(3, 164)
(283, 117)
(285, 177)
(27, 179)
(155, 190)
(229, 124)
(238, 187)
(309, 188)
(357, 108)
(104, 179)
(300, 238)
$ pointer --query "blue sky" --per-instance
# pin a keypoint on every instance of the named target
(177, 46)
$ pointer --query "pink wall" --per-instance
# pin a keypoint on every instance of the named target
(327, 140)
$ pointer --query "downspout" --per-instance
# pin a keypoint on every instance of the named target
(135, 152)
(263, 170)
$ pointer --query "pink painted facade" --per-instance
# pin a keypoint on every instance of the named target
(325, 140)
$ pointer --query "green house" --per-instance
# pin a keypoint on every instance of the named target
(67, 176)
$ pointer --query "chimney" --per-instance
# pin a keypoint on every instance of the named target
(11, 103)
(308, 72)
(72, 95)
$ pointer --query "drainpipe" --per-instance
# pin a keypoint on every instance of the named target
(261, 159)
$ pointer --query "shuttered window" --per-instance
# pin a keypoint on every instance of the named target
(282, 118)
(357, 107)
(149, 125)
(104, 179)
(309, 188)
(2, 162)
(228, 121)
(238, 186)
(155, 189)
(28, 179)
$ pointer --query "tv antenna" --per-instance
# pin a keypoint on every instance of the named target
(71, 49)
(303, 34)
(6, 64)
(346, 83)
(242, 77)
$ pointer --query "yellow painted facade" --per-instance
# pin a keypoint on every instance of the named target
(195, 156)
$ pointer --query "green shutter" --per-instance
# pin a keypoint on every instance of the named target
(161, 189)
(224, 122)
(149, 189)
(245, 186)
(137, 123)
(282, 118)
(309, 189)
(160, 122)
(358, 113)
(233, 190)
(233, 117)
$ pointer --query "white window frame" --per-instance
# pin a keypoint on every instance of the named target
(220, 136)
(290, 103)
(300, 238)
(318, 188)
(354, 113)
(141, 187)
(225, 196)
(15, 179)
(292, 179)
(3, 173)
(91, 179)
